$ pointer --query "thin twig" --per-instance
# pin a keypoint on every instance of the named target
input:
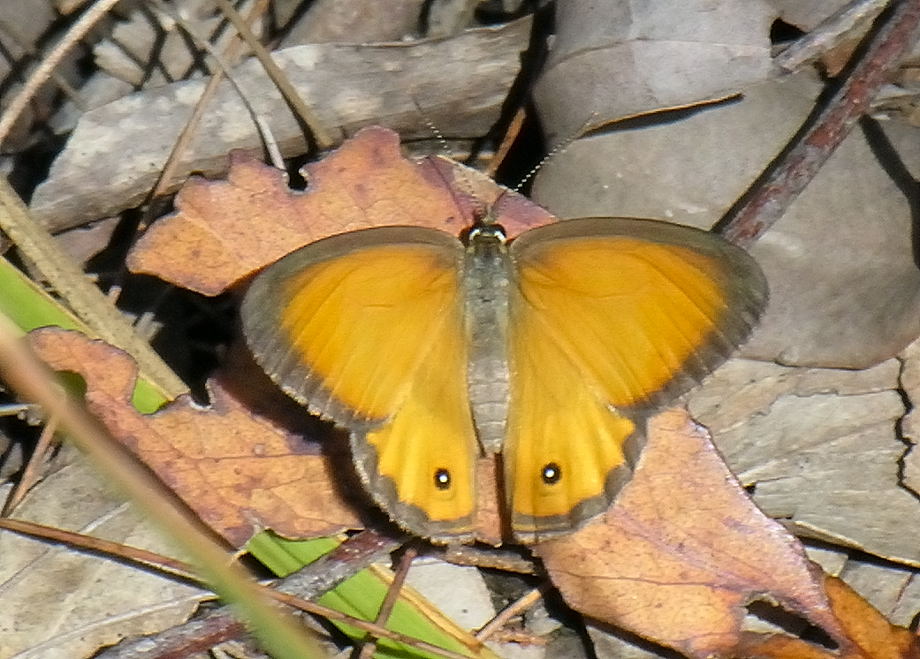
(30, 474)
(386, 608)
(514, 129)
(342, 563)
(15, 409)
(828, 34)
(776, 190)
(323, 140)
(516, 608)
(43, 71)
(498, 559)
(164, 180)
(271, 144)
(99, 546)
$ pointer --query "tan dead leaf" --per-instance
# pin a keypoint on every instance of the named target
(868, 634)
(253, 218)
(683, 551)
(238, 472)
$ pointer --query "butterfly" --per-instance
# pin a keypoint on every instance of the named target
(547, 351)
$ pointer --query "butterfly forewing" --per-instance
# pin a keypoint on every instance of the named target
(646, 308)
(366, 328)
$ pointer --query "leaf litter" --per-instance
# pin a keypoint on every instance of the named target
(655, 556)
(848, 611)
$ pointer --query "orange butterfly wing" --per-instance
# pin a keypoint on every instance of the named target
(366, 329)
(610, 318)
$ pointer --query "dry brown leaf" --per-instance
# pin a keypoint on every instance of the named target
(868, 634)
(239, 473)
(683, 551)
(253, 219)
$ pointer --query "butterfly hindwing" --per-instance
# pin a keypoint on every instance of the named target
(609, 319)
(564, 452)
(366, 329)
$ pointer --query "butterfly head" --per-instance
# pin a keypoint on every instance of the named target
(485, 233)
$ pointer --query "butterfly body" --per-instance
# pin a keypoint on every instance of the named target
(486, 284)
(548, 351)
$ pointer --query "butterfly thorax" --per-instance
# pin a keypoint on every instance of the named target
(486, 300)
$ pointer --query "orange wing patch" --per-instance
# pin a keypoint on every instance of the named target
(644, 309)
(359, 321)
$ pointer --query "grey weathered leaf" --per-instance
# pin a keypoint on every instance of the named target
(843, 281)
(820, 448)
(58, 602)
(113, 158)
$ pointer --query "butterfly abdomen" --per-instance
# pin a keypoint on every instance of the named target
(486, 312)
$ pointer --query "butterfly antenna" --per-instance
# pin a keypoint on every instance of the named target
(438, 135)
(464, 187)
(430, 125)
(555, 151)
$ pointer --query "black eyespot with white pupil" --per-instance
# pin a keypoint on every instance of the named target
(551, 473)
(442, 479)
